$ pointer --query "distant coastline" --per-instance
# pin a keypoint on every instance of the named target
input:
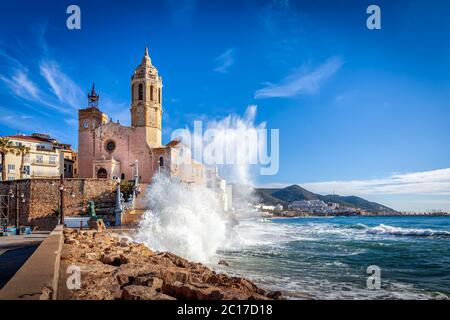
(294, 214)
(294, 201)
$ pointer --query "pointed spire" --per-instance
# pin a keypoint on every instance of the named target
(146, 59)
(93, 97)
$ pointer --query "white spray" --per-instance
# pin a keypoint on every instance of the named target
(187, 219)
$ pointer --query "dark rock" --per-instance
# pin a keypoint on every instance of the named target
(97, 225)
(134, 292)
(190, 292)
(223, 263)
(150, 281)
(72, 241)
(114, 259)
(127, 270)
(276, 295)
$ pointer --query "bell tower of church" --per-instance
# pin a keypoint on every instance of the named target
(146, 101)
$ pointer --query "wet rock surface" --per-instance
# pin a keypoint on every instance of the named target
(112, 267)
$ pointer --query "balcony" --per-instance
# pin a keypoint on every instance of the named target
(44, 149)
(44, 163)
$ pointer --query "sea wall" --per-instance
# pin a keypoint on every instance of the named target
(41, 199)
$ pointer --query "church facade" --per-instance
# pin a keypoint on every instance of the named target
(108, 150)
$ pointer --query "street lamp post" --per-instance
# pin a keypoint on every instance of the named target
(62, 188)
(118, 208)
(20, 197)
(61, 196)
(136, 182)
(17, 210)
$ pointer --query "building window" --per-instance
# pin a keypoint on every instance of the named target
(26, 159)
(26, 170)
(159, 95)
(11, 168)
(161, 161)
(52, 160)
(39, 159)
(110, 146)
(141, 92)
(10, 178)
(151, 93)
(122, 176)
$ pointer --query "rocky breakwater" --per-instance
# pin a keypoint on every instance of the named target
(113, 267)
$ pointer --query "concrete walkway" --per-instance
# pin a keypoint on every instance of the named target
(38, 277)
(14, 252)
(17, 242)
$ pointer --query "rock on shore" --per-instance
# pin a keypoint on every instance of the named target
(116, 268)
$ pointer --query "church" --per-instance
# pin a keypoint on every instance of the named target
(109, 150)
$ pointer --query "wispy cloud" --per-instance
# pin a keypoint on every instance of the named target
(25, 122)
(72, 122)
(276, 15)
(225, 61)
(62, 94)
(63, 87)
(434, 182)
(182, 11)
(21, 85)
(301, 82)
(18, 121)
(118, 109)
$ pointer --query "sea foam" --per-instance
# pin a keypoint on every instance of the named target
(397, 231)
(184, 219)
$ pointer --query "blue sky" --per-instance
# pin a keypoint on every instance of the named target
(360, 111)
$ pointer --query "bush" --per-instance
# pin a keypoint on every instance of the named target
(126, 187)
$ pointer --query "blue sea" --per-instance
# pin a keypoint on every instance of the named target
(327, 258)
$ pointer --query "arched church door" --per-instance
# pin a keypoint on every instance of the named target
(102, 174)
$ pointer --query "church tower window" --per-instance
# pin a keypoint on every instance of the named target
(141, 92)
(159, 95)
(151, 93)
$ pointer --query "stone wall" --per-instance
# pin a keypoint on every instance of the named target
(42, 199)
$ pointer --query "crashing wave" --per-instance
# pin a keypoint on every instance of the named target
(397, 231)
(185, 219)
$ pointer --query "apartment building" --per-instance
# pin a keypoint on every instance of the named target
(47, 158)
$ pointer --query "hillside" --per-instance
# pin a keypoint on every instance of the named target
(293, 193)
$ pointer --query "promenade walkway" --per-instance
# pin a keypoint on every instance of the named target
(14, 252)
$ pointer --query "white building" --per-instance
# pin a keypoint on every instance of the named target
(310, 205)
(219, 186)
(46, 158)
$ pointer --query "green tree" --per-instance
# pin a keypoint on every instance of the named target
(6, 146)
(22, 151)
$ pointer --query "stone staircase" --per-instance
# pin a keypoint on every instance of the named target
(132, 217)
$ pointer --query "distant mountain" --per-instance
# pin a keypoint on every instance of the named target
(293, 193)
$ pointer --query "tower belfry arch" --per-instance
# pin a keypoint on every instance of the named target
(146, 102)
